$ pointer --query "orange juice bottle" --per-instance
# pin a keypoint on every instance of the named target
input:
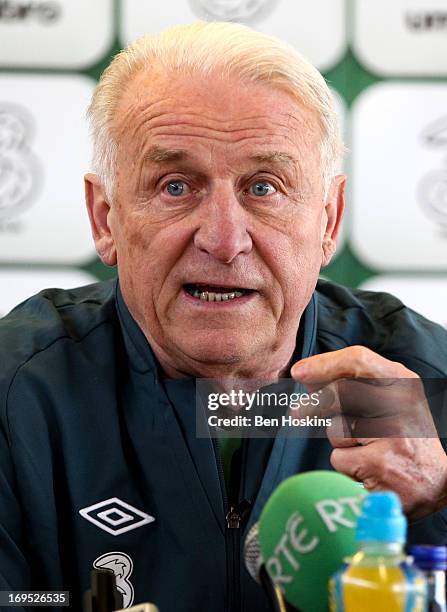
(379, 577)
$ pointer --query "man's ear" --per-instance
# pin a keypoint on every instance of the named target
(98, 212)
(333, 214)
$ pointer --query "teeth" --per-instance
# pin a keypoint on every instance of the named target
(211, 296)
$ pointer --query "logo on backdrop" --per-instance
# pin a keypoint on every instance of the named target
(20, 171)
(244, 11)
(42, 12)
(432, 189)
(426, 21)
(122, 566)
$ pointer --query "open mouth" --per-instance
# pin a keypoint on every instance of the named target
(211, 293)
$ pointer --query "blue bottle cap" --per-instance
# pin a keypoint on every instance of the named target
(430, 557)
(382, 519)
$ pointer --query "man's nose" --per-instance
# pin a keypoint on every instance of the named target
(222, 231)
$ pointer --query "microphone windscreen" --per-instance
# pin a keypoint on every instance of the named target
(306, 530)
(252, 552)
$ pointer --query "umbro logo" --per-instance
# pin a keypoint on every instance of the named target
(115, 516)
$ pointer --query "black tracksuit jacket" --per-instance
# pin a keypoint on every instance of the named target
(87, 420)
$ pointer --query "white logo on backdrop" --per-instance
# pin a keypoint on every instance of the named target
(55, 33)
(317, 29)
(399, 176)
(245, 11)
(41, 12)
(432, 189)
(402, 37)
(43, 155)
(20, 172)
(426, 21)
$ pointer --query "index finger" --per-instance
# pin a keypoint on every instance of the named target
(350, 362)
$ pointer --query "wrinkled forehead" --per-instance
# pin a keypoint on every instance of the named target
(232, 108)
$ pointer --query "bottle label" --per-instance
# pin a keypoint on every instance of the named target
(398, 589)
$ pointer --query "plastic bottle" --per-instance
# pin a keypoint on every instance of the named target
(432, 561)
(379, 577)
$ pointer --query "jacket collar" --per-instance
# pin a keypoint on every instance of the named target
(139, 351)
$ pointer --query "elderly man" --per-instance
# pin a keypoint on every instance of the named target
(216, 194)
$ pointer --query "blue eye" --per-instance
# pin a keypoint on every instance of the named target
(262, 188)
(176, 188)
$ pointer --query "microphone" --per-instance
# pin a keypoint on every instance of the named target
(306, 530)
(256, 568)
(103, 596)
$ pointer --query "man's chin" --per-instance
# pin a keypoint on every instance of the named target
(218, 355)
(219, 351)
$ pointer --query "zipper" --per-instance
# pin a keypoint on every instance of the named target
(234, 517)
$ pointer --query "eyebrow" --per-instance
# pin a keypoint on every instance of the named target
(159, 155)
(275, 157)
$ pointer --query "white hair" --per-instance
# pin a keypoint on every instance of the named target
(204, 48)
